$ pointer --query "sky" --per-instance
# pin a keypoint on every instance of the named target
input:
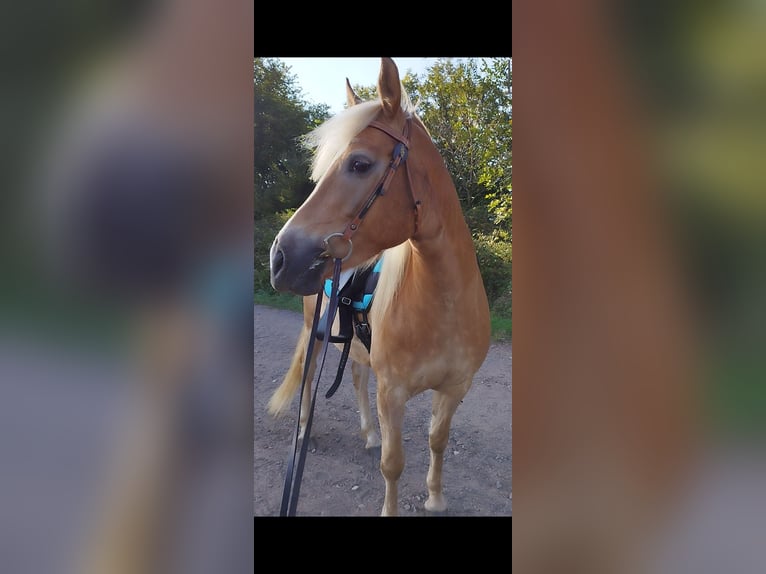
(323, 80)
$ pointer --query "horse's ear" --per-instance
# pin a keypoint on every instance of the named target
(389, 86)
(351, 98)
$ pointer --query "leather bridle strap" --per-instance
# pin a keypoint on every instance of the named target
(400, 153)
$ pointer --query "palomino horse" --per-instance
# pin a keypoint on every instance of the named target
(430, 317)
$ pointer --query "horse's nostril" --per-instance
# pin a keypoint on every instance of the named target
(277, 262)
(291, 261)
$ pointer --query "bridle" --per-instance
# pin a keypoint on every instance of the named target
(399, 156)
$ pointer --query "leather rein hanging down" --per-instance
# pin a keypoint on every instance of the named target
(295, 473)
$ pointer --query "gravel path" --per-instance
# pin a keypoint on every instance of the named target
(341, 477)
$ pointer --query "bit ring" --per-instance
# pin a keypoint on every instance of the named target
(327, 246)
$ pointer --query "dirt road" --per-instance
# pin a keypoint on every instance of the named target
(341, 477)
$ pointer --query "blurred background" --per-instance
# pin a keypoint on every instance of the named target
(701, 71)
(701, 68)
(126, 287)
(640, 287)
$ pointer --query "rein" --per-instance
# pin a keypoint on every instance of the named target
(293, 486)
(295, 473)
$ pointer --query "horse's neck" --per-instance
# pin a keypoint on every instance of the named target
(440, 301)
(442, 251)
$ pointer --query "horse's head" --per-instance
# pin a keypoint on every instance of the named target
(358, 152)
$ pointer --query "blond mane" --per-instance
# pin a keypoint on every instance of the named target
(391, 275)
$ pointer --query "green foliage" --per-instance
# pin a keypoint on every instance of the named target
(281, 116)
(467, 108)
(265, 229)
(500, 207)
(495, 258)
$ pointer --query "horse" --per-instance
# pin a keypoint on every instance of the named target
(430, 315)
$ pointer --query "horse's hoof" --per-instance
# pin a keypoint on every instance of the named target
(373, 441)
(436, 504)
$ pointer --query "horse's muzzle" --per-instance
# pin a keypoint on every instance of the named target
(297, 263)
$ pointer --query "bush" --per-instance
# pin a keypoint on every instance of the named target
(479, 220)
(495, 257)
(266, 228)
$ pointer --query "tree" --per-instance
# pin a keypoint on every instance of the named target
(281, 116)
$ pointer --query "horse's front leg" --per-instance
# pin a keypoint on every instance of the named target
(391, 402)
(443, 407)
(361, 376)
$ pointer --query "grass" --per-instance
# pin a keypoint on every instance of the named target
(502, 327)
(278, 300)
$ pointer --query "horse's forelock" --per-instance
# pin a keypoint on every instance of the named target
(332, 137)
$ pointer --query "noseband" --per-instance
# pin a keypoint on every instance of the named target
(399, 156)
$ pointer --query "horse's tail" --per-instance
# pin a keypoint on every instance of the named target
(282, 397)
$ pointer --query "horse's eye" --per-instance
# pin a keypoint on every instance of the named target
(359, 166)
